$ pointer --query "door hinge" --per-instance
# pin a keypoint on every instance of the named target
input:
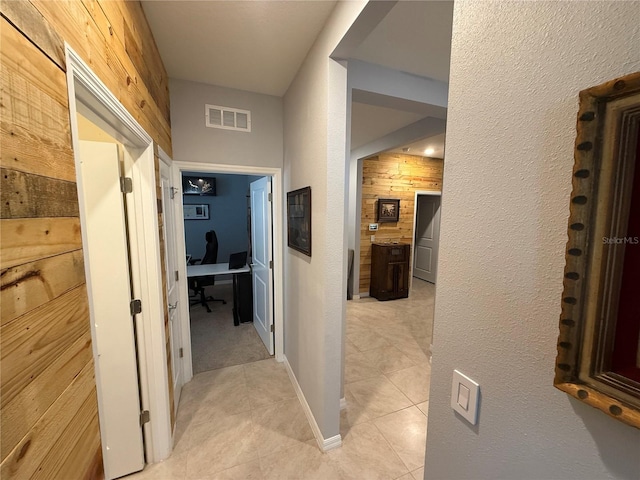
(173, 191)
(144, 417)
(181, 352)
(272, 328)
(177, 275)
(126, 185)
(269, 196)
(270, 263)
(135, 306)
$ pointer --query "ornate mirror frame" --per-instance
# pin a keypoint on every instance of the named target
(598, 358)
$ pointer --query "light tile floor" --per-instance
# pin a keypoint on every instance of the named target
(245, 422)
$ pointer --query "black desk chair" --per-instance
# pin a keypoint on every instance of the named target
(197, 284)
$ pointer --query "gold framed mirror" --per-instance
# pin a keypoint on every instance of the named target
(598, 358)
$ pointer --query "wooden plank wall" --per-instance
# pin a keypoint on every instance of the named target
(48, 393)
(392, 175)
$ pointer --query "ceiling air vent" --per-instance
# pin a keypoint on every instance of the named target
(227, 118)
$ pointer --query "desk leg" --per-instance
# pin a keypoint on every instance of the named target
(236, 316)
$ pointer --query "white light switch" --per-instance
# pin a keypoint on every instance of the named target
(464, 396)
(373, 238)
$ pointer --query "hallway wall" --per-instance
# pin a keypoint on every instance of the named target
(195, 142)
(516, 70)
(315, 155)
(49, 404)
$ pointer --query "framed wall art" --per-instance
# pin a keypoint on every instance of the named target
(198, 185)
(598, 358)
(388, 210)
(299, 220)
(196, 212)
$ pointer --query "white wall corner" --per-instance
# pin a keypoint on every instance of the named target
(325, 444)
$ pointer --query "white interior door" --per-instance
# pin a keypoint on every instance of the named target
(170, 256)
(425, 255)
(109, 289)
(261, 271)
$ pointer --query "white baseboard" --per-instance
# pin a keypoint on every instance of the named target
(356, 297)
(325, 444)
(363, 295)
(343, 403)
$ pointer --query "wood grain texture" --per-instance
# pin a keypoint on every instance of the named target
(33, 284)
(393, 176)
(27, 19)
(34, 111)
(25, 195)
(32, 342)
(79, 436)
(28, 239)
(78, 403)
(49, 410)
(23, 410)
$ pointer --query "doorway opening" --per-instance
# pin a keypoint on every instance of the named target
(231, 226)
(129, 354)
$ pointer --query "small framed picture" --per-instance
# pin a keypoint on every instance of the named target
(388, 210)
(196, 212)
(299, 220)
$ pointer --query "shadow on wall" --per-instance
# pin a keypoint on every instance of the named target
(621, 457)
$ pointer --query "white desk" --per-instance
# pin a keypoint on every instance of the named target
(214, 269)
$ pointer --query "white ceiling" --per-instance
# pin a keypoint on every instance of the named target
(414, 37)
(256, 46)
(371, 122)
(418, 148)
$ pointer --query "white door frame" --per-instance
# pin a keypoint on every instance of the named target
(166, 159)
(278, 261)
(433, 193)
(88, 94)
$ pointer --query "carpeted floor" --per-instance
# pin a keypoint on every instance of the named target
(215, 341)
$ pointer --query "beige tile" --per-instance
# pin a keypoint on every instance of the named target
(418, 474)
(358, 367)
(301, 461)
(367, 339)
(413, 382)
(424, 407)
(406, 432)
(377, 396)
(353, 414)
(268, 383)
(406, 476)
(366, 454)
(246, 471)
(349, 348)
(219, 376)
(221, 444)
(224, 400)
(173, 468)
(280, 426)
(387, 359)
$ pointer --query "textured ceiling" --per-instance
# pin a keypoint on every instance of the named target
(256, 46)
(414, 37)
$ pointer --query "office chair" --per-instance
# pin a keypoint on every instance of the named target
(197, 284)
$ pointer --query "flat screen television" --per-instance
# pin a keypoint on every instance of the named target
(192, 185)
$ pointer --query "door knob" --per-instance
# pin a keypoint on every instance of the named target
(173, 307)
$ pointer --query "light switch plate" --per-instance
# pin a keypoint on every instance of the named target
(373, 227)
(465, 392)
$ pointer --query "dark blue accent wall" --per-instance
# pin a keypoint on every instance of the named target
(227, 216)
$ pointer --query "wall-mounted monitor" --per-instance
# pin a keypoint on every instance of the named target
(197, 185)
